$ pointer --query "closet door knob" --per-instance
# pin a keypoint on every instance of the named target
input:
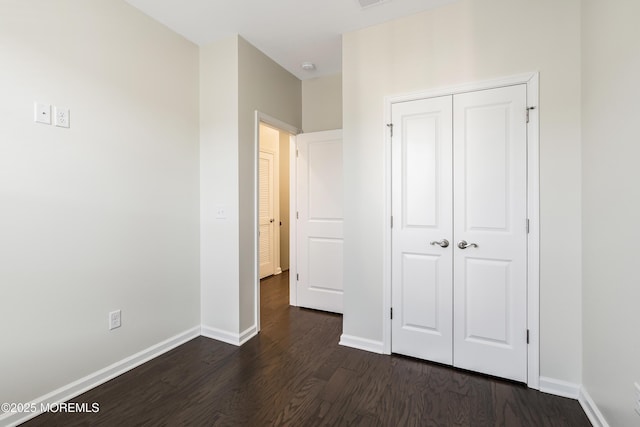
(442, 243)
(462, 244)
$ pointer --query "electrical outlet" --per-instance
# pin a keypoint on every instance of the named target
(221, 212)
(115, 319)
(637, 399)
(61, 117)
(42, 113)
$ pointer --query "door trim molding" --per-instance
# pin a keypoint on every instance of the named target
(533, 208)
(293, 222)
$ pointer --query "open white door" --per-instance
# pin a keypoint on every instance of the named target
(319, 221)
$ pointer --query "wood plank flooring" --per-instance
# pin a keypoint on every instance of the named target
(294, 373)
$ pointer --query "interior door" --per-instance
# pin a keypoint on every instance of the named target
(319, 222)
(265, 215)
(490, 211)
(459, 239)
(422, 231)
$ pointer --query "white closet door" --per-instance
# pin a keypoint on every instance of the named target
(490, 211)
(320, 218)
(459, 173)
(422, 231)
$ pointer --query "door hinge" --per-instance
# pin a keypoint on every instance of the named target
(529, 109)
(390, 126)
(527, 336)
(527, 225)
(297, 149)
(391, 221)
(391, 313)
(297, 215)
(297, 277)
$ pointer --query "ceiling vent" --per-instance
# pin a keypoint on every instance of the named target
(368, 3)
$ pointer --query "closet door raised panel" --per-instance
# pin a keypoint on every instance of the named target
(421, 208)
(490, 210)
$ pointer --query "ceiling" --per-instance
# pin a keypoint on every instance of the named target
(288, 31)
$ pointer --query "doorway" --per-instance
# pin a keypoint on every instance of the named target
(273, 201)
(274, 143)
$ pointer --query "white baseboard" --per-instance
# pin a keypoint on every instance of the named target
(577, 392)
(559, 388)
(247, 334)
(97, 378)
(590, 408)
(362, 343)
(229, 337)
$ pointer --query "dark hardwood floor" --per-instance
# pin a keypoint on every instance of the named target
(294, 373)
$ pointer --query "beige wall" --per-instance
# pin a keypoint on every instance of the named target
(465, 42)
(219, 247)
(236, 79)
(322, 103)
(103, 215)
(269, 138)
(267, 87)
(611, 206)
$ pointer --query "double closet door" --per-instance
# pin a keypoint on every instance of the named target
(459, 239)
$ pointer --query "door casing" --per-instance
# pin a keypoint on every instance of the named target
(533, 209)
(260, 117)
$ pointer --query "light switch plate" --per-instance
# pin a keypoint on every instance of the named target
(42, 113)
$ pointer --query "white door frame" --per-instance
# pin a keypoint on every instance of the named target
(278, 124)
(533, 209)
(293, 223)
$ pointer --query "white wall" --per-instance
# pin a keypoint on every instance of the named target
(465, 42)
(267, 87)
(611, 206)
(322, 103)
(219, 246)
(103, 215)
